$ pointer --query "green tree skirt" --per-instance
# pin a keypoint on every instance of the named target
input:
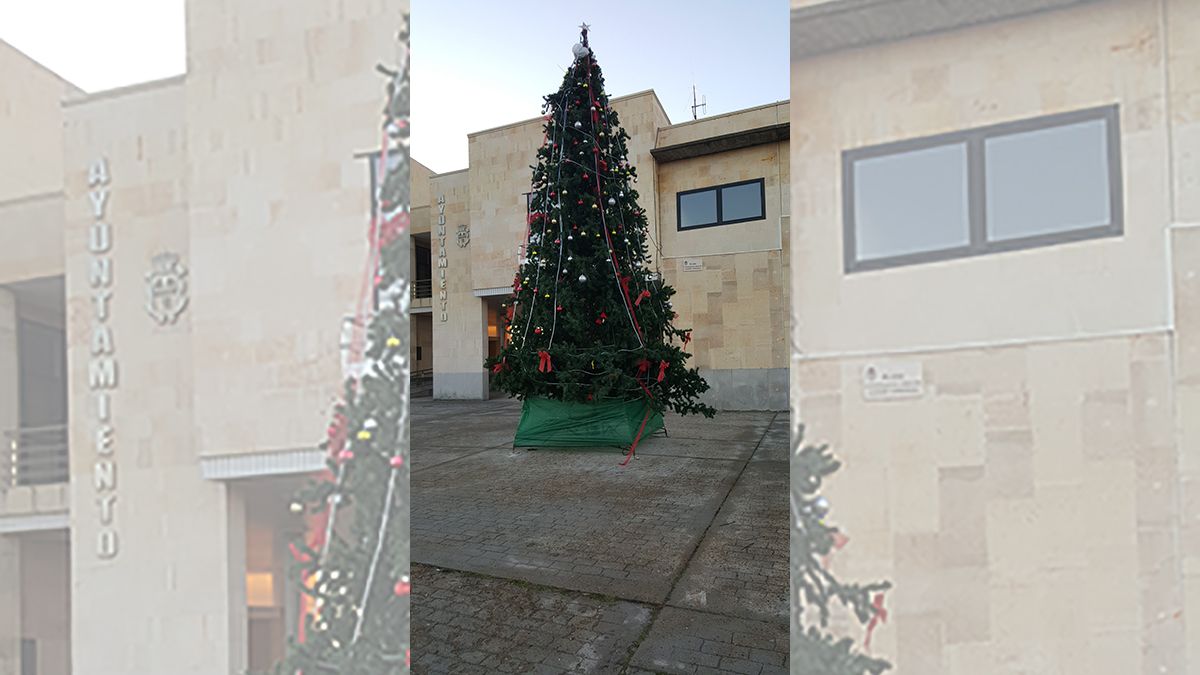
(547, 423)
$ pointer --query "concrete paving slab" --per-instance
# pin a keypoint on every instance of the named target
(574, 520)
(775, 445)
(741, 566)
(726, 426)
(696, 448)
(561, 527)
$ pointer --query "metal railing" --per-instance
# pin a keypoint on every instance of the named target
(422, 288)
(34, 456)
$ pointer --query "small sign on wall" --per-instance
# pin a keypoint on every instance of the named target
(890, 380)
(692, 264)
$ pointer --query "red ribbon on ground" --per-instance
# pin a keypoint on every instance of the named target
(662, 371)
(544, 363)
(881, 616)
(644, 295)
(637, 438)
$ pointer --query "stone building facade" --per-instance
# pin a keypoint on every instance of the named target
(176, 261)
(1031, 484)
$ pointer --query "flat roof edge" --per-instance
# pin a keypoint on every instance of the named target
(126, 90)
(846, 24)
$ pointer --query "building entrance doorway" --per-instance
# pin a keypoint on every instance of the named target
(494, 336)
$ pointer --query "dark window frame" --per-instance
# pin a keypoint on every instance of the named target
(762, 200)
(974, 140)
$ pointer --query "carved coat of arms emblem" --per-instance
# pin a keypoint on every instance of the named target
(166, 288)
(464, 236)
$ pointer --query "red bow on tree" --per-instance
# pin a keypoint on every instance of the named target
(881, 616)
(337, 434)
(299, 555)
(499, 366)
(544, 364)
(687, 338)
(662, 371)
(392, 227)
(644, 295)
(600, 320)
(643, 367)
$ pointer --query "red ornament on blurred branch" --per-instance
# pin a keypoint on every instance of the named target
(404, 586)
(393, 227)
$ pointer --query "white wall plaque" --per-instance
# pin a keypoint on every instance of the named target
(692, 264)
(889, 380)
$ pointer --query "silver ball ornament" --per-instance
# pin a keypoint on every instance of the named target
(582, 278)
(579, 125)
(612, 201)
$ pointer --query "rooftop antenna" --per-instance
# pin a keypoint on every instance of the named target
(703, 103)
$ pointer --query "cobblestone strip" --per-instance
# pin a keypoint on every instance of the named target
(688, 641)
(466, 623)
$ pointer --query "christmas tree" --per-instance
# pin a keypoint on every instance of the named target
(353, 564)
(815, 588)
(589, 328)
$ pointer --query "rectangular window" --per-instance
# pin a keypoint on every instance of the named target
(1034, 182)
(721, 204)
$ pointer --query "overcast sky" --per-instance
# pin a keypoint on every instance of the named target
(98, 44)
(476, 63)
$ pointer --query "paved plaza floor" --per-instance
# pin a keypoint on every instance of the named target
(562, 561)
